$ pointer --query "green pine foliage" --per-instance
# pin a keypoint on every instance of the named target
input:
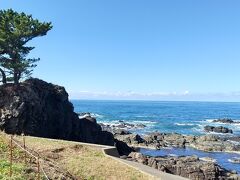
(16, 30)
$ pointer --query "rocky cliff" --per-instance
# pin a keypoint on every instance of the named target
(38, 108)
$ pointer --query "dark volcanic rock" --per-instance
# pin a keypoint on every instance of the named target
(225, 120)
(131, 139)
(42, 109)
(158, 140)
(234, 138)
(92, 119)
(121, 125)
(123, 148)
(190, 166)
(219, 129)
(121, 132)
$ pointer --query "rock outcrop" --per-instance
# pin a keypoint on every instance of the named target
(190, 166)
(218, 129)
(226, 121)
(204, 142)
(42, 109)
(121, 126)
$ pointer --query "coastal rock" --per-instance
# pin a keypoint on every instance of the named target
(123, 148)
(175, 139)
(159, 140)
(204, 142)
(214, 143)
(121, 132)
(219, 129)
(226, 121)
(139, 157)
(190, 167)
(235, 160)
(121, 125)
(234, 139)
(38, 108)
(89, 118)
(131, 139)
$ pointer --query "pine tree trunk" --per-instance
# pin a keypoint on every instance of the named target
(4, 78)
(15, 77)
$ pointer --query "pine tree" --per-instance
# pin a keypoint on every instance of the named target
(16, 30)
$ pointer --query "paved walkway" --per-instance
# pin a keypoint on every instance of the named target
(112, 152)
(151, 171)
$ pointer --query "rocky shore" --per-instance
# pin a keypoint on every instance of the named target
(189, 166)
(157, 140)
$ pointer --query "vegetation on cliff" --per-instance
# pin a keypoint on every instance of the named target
(16, 30)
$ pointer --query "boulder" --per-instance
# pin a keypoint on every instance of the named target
(89, 118)
(123, 148)
(131, 139)
(159, 140)
(224, 120)
(175, 139)
(139, 157)
(121, 132)
(219, 129)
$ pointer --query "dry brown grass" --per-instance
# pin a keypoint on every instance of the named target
(82, 161)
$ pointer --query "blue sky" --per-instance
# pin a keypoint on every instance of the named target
(139, 49)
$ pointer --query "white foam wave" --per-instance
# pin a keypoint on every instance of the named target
(235, 160)
(199, 130)
(172, 155)
(142, 122)
(185, 124)
(210, 120)
(95, 115)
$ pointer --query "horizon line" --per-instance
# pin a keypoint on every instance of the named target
(207, 101)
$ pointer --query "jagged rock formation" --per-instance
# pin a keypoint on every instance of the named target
(203, 142)
(42, 109)
(218, 129)
(190, 166)
(226, 121)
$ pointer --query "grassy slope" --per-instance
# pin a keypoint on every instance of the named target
(18, 166)
(83, 162)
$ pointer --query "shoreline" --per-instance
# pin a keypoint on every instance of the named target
(137, 148)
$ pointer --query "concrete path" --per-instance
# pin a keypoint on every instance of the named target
(154, 173)
(150, 171)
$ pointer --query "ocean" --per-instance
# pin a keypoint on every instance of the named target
(181, 117)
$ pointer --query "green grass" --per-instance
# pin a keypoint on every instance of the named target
(81, 161)
(17, 169)
(84, 162)
(18, 166)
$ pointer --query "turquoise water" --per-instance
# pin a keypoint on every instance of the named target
(180, 117)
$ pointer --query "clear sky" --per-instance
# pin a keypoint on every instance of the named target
(139, 49)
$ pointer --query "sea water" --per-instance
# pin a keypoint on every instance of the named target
(181, 117)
